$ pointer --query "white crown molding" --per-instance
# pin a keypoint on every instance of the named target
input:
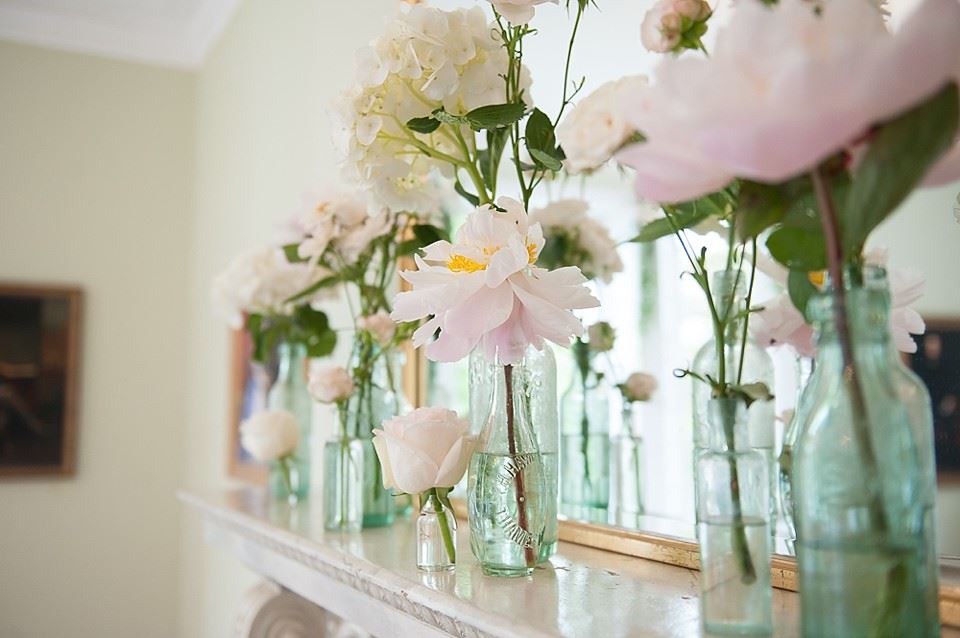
(183, 46)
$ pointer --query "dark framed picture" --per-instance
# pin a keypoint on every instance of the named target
(937, 362)
(249, 384)
(39, 368)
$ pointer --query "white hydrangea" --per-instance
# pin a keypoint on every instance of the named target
(260, 282)
(597, 127)
(589, 244)
(426, 59)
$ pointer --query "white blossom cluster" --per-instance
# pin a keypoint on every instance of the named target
(588, 242)
(344, 222)
(261, 282)
(426, 59)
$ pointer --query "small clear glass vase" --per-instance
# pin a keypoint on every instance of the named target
(538, 380)
(807, 384)
(507, 493)
(343, 460)
(585, 449)
(378, 396)
(733, 526)
(290, 479)
(628, 470)
(436, 534)
(866, 552)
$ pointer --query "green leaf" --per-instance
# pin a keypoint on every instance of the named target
(685, 215)
(751, 392)
(449, 118)
(321, 345)
(494, 116)
(539, 133)
(326, 282)
(428, 233)
(800, 289)
(290, 251)
(901, 153)
(759, 206)
(546, 160)
(490, 157)
(470, 197)
(798, 248)
(423, 124)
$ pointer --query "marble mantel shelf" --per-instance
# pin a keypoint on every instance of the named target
(371, 579)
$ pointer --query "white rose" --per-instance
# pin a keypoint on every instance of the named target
(639, 386)
(430, 447)
(380, 325)
(330, 385)
(270, 435)
(517, 11)
(597, 127)
(660, 30)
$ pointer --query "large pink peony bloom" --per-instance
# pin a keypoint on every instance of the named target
(485, 290)
(783, 89)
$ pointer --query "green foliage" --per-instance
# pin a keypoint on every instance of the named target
(495, 116)
(464, 193)
(800, 289)
(489, 158)
(684, 215)
(541, 142)
(798, 248)
(326, 282)
(900, 154)
(423, 124)
(423, 235)
(290, 251)
(307, 326)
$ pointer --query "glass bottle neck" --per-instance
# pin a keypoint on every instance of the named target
(726, 426)
(290, 367)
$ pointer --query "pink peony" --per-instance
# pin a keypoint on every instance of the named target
(485, 290)
(783, 89)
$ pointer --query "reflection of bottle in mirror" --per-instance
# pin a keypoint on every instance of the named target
(628, 470)
(289, 392)
(729, 291)
(507, 493)
(539, 377)
(585, 451)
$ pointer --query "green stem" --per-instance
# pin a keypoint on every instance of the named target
(566, 66)
(284, 463)
(444, 526)
(746, 318)
(521, 496)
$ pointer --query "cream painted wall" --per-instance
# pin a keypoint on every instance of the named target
(95, 175)
(262, 142)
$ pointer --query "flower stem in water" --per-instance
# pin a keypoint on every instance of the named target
(528, 552)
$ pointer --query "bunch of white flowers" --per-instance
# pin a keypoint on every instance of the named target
(343, 221)
(261, 282)
(427, 59)
(575, 238)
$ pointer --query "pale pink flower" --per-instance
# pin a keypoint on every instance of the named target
(780, 323)
(660, 30)
(518, 11)
(639, 386)
(783, 89)
(270, 435)
(430, 447)
(380, 325)
(330, 385)
(485, 290)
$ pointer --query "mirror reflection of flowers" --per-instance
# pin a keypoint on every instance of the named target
(638, 387)
(575, 238)
(264, 287)
(272, 436)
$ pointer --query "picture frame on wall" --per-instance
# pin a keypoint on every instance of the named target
(249, 384)
(937, 363)
(39, 379)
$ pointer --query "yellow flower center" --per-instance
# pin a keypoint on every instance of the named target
(817, 277)
(532, 252)
(459, 263)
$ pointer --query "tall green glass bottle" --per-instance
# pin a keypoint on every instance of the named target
(289, 392)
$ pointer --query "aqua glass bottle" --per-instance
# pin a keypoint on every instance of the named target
(729, 295)
(539, 382)
(858, 485)
(807, 384)
(507, 494)
(733, 526)
(913, 394)
(289, 392)
(378, 396)
(585, 451)
(628, 470)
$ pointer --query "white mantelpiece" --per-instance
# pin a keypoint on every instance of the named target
(371, 579)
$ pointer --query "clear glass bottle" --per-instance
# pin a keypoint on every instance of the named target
(628, 469)
(585, 452)
(807, 385)
(507, 494)
(858, 485)
(289, 392)
(436, 534)
(729, 291)
(343, 461)
(732, 513)
(378, 396)
(539, 381)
